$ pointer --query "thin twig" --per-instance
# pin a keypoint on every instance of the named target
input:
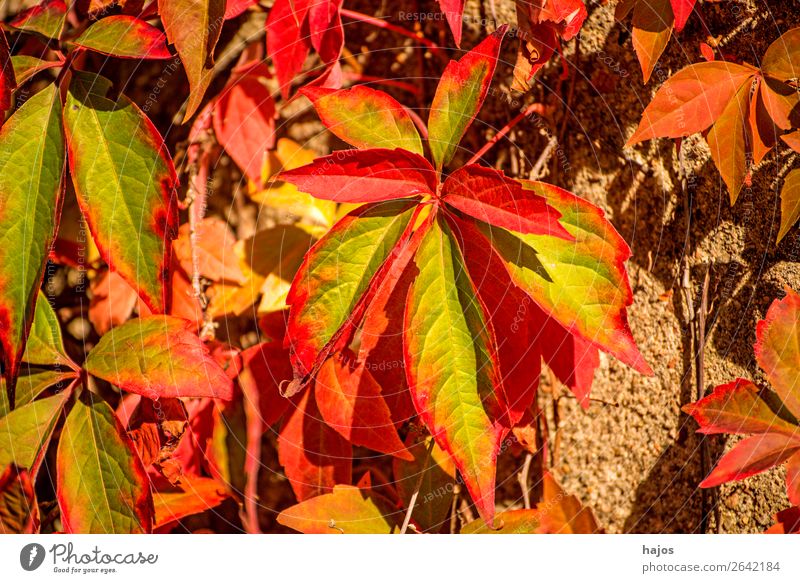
(454, 508)
(413, 500)
(522, 477)
(533, 108)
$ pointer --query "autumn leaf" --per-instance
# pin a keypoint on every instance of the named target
(126, 37)
(19, 512)
(46, 19)
(32, 163)
(25, 432)
(194, 26)
(8, 80)
(158, 356)
(111, 493)
(125, 182)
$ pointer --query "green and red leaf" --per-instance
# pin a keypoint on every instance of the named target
(459, 96)
(8, 80)
(102, 485)
(329, 288)
(32, 163)
(124, 36)
(450, 364)
(125, 182)
(365, 118)
(25, 432)
(46, 19)
(158, 356)
(751, 456)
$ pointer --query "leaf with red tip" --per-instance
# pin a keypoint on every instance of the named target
(46, 18)
(314, 457)
(346, 510)
(125, 182)
(691, 100)
(193, 496)
(8, 81)
(682, 10)
(25, 67)
(751, 456)
(265, 367)
(124, 36)
(488, 195)
(582, 283)
(788, 522)
(459, 97)
(244, 123)
(738, 407)
(194, 26)
(32, 161)
(102, 485)
(158, 356)
(365, 118)
(652, 28)
(359, 176)
(729, 142)
(778, 349)
(350, 402)
(790, 202)
(336, 274)
(450, 366)
(780, 60)
(454, 13)
(45, 346)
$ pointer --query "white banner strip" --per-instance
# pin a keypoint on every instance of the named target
(389, 559)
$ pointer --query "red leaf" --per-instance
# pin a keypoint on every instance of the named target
(364, 176)
(112, 303)
(234, 8)
(46, 18)
(286, 40)
(793, 479)
(265, 367)
(788, 522)
(350, 401)
(19, 513)
(488, 195)
(454, 13)
(682, 9)
(751, 456)
(244, 122)
(314, 456)
(193, 496)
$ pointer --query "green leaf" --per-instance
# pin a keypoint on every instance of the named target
(336, 273)
(102, 485)
(346, 510)
(158, 356)
(449, 364)
(459, 97)
(31, 383)
(582, 283)
(194, 26)
(26, 66)
(45, 346)
(32, 169)
(125, 182)
(365, 118)
(124, 36)
(25, 432)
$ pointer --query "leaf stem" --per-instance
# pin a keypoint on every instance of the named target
(380, 23)
(531, 109)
